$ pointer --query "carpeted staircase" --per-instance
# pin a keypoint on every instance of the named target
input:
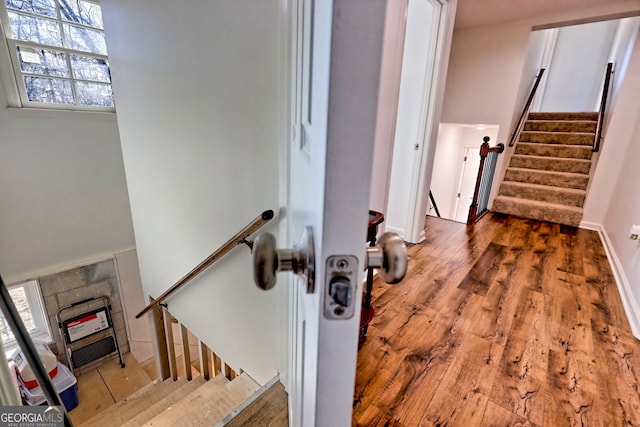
(549, 171)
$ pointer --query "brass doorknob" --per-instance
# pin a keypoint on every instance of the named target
(268, 260)
(390, 257)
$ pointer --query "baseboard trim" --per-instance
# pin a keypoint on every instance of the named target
(624, 287)
(590, 226)
(401, 231)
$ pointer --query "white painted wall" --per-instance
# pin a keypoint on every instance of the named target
(623, 44)
(614, 200)
(64, 199)
(200, 137)
(485, 68)
(539, 53)
(417, 70)
(623, 211)
(576, 72)
(619, 138)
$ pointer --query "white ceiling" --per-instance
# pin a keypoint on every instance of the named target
(476, 13)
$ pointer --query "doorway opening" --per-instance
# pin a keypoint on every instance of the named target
(455, 167)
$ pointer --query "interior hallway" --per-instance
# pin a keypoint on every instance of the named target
(509, 322)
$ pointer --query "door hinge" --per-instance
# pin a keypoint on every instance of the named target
(458, 195)
(465, 159)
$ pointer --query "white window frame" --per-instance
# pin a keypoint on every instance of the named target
(42, 330)
(11, 75)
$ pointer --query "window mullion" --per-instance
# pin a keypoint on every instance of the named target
(80, 25)
(72, 78)
(17, 71)
(60, 26)
(59, 18)
(28, 13)
(35, 45)
(25, 80)
(38, 311)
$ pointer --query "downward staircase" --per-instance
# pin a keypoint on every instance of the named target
(178, 403)
(548, 174)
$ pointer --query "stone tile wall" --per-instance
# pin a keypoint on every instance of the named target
(67, 287)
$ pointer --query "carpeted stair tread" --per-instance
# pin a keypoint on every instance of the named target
(548, 173)
(556, 179)
(555, 164)
(568, 138)
(554, 150)
(543, 211)
(560, 126)
(543, 193)
(584, 115)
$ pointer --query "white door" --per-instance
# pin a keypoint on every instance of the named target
(335, 67)
(467, 186)
(208, 143)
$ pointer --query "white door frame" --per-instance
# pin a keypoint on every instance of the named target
(432, 109)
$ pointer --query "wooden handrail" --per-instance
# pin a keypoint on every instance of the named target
(603, 106)
(525, 110)
(239, 238)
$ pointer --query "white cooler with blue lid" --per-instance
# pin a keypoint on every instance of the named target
(47, 358)
(65, 384)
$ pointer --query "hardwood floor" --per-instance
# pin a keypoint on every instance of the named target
(512, 322)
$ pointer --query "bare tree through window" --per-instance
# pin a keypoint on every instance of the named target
(61, 51)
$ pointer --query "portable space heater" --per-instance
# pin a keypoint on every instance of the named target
(84, 336)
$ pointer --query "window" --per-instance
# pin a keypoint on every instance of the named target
(59, 54)
(28, 302)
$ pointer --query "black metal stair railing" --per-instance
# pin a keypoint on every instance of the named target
(486, 172)
(525, 111)
(603, 107)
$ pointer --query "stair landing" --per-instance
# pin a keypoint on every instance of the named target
(102, 387)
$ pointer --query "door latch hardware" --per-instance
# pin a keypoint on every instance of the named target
(341, 279)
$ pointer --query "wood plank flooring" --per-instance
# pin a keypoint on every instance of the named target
(101, 387)
(512, 322)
